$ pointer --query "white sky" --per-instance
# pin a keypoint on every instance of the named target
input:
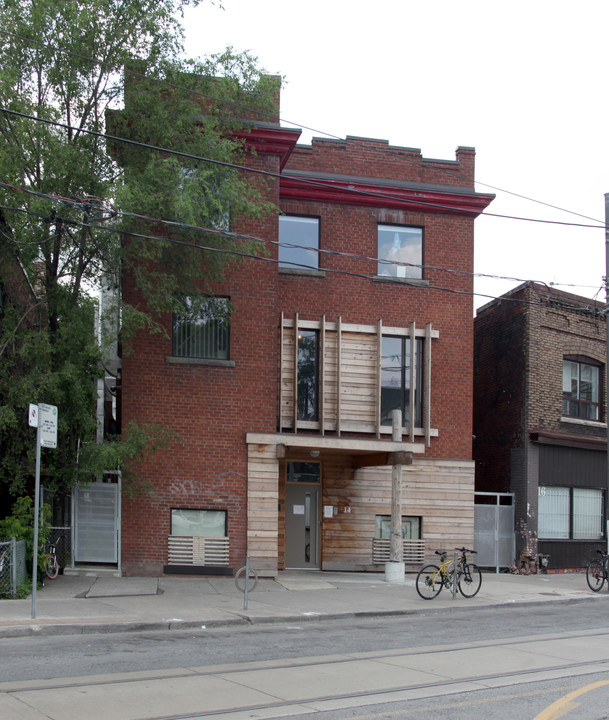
(523, 82)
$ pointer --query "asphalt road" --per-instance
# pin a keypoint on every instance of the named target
(483, 637)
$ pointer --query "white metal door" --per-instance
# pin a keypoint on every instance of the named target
(96, 523)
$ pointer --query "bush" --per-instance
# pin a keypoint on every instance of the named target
(20, 525)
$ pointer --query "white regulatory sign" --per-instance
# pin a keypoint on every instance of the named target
(32, 417)
(47, 420)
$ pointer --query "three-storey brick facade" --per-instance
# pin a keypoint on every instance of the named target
(540, 418)
(286, 443)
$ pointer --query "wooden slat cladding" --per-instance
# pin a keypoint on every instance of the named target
(440, 492)
(349, 376)
(262, 508)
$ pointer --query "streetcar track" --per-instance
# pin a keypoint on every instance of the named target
(347, 658)
(312, 701)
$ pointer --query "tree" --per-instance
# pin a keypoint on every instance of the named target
(73, 72)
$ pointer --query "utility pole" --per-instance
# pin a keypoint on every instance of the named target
(607, 346)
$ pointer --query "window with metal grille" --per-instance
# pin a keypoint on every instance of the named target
(566, 513)
(201, 327)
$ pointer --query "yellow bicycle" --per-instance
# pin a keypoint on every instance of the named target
(431, 578)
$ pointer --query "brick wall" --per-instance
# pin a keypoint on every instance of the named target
(212, 408)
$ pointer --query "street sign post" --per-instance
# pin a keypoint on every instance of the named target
(44, 418)
(47, 422)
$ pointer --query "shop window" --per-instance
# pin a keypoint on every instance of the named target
(570, 513)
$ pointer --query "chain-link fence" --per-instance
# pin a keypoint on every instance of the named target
(61, 538)
(12, 566)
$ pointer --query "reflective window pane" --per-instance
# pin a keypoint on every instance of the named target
(298, 242)
(400, 251)
(199, 523)
(308, 374)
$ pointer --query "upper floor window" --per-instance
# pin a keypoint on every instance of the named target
(399, 382)
(200, 327)
(298, 242)
(400, 251)
(308, 374)
(580, 389)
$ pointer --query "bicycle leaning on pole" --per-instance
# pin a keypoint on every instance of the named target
(598, 571)
(432, 578)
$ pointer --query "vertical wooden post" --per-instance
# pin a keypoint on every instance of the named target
(396, 553)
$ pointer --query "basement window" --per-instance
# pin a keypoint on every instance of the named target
(411, 527)
(198, 523)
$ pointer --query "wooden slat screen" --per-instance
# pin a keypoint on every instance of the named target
(194, 550)
(414, 551)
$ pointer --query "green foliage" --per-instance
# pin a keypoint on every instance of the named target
(20, 525)
(90, 67)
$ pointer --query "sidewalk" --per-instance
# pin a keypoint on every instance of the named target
(72, 604)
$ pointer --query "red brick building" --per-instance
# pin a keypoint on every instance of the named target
(362, 306)
(540, 418)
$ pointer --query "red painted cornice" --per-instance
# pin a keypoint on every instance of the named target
(383, 194)
(271, 140)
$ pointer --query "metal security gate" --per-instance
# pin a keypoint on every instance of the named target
(96, 516)
(494, 538)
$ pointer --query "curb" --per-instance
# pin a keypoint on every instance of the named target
(37, 629)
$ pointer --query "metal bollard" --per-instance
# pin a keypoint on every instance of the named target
(247, 579)
(455, 568)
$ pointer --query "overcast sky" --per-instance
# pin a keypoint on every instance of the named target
(524, 82)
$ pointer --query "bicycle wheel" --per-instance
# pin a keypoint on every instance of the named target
(595, 575)
(429, 582)
(51, 567)
(470, 580)
(240, 579)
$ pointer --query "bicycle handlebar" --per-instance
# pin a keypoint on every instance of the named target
(441, 553)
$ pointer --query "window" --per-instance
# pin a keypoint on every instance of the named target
(553, 513)
(308, 374)
(580, 389)
(305, 472)
(201, 327)
(570, 513)
(403, 245)
(411, 527)
(199, 523)
(298, 242)
(396, 379)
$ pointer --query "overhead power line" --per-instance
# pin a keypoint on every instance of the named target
(266, 173)
(74, 203)
(249, 110)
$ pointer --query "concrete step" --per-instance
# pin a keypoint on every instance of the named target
(92, 571)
